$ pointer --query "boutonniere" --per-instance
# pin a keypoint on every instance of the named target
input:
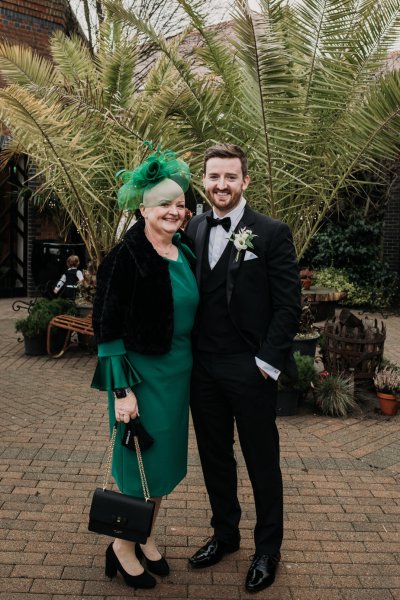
(242, 240)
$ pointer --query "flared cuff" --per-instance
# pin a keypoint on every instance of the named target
(113, 372)
(112, 348)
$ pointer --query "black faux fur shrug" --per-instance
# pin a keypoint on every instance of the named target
(134, 294)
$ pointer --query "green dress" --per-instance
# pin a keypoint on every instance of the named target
(162, 385)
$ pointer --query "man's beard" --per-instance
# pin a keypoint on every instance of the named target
(233, 201)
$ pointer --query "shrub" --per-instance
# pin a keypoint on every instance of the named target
(379, 295)
(306, 372)
(334, 395)
(41, 313)
(349, 256)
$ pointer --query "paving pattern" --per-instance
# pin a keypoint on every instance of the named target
(341, 480)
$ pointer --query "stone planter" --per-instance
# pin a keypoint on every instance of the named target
(305, 346)
(323, 301)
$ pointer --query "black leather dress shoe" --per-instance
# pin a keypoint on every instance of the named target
(262, 572)
(211, 553)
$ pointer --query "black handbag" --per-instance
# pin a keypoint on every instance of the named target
(120, 515)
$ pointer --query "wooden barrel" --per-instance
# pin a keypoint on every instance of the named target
(357, 349)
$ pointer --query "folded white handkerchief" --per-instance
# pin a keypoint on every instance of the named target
(249, 255)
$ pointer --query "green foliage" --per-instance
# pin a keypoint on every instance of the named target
(334, 395)
(379, 293)
(306, 374)
(338, 279)
(348, 255)
(350, 245)
(41, 313)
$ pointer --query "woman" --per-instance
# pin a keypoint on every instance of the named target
(142, 317)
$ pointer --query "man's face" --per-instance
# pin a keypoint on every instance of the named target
(224, 183)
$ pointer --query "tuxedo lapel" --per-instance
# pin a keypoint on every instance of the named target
(233, 267)
(200, 246)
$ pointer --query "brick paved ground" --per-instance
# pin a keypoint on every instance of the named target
(341, 496)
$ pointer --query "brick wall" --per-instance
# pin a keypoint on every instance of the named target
(391, 229)
(32, 23)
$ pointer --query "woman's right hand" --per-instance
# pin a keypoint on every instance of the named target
(126, 408)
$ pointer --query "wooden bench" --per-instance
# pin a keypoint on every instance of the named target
(71, 324)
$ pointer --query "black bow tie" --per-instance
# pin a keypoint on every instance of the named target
(225, 222)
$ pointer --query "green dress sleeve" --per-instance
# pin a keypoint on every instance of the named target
(113, 369)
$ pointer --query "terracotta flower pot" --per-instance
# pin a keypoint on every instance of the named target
(306, 283)
(388, 404)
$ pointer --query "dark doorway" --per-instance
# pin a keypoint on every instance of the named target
(13, 246)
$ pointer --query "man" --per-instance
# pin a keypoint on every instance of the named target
(248, 315)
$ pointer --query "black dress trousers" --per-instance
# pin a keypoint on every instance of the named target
(228, 388)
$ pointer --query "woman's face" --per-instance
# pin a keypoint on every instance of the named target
(166, 218)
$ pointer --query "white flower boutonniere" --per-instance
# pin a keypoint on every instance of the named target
(242, 240)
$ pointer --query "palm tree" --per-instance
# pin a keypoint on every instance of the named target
(83, 116)
(302, 87)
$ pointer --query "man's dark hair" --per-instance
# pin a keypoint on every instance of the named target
(226, 151)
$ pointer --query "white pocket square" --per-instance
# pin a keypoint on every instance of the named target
(249, 255)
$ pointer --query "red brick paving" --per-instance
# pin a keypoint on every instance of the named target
(342, 496)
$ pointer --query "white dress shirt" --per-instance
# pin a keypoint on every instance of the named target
(219, 237)
(217, 243)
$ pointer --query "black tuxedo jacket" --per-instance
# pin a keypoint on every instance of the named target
(263, 293)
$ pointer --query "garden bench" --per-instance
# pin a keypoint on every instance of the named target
(70, 323)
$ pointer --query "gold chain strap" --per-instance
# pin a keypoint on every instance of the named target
(143, 479)
(109, 457)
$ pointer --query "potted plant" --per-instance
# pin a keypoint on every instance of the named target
(387, 386)
(290, 390)
(307, 373)
(306, 339)
(34, 326)
(334, 394)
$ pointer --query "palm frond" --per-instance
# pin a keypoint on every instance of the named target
(215, 51)
(73, 59)
(21, 65)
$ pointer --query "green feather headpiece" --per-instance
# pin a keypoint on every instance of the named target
(139, 185)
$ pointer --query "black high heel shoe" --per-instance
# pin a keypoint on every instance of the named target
(144, 580)
(158, 567)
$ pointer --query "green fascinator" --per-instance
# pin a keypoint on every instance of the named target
(160, 178)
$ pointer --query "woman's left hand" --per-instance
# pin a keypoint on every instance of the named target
(126, 408)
